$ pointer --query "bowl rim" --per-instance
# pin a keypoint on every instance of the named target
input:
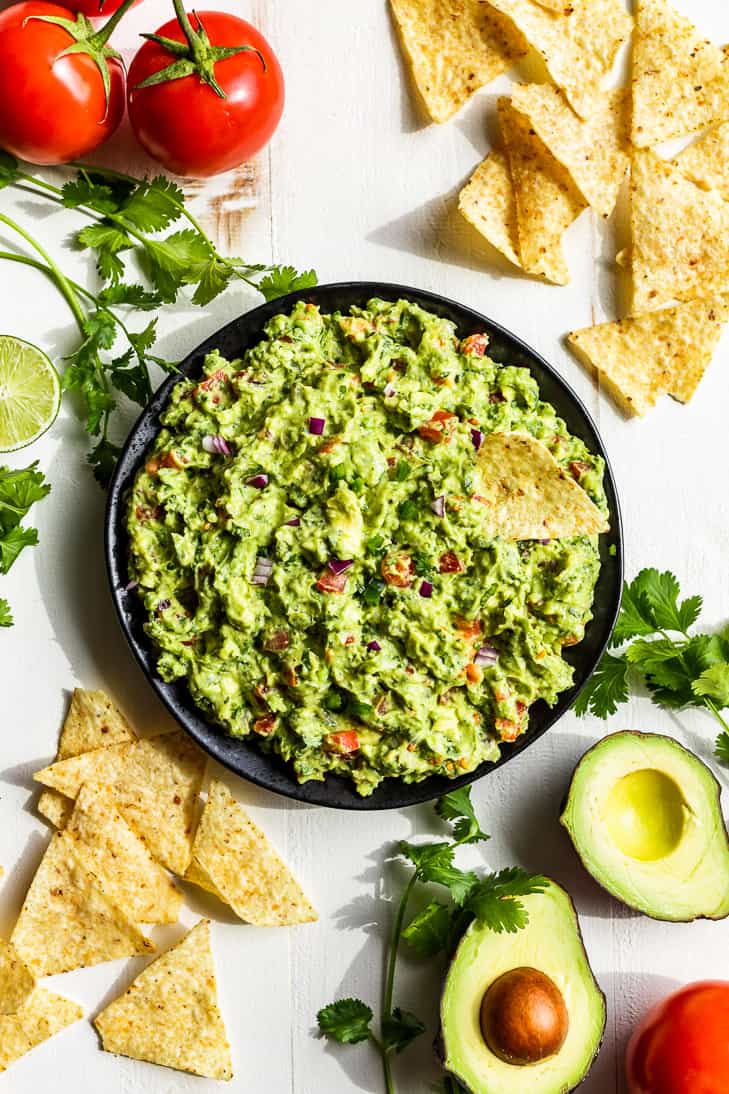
(266, 769)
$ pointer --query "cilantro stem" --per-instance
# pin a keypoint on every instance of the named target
(389, 986)
(60, 279)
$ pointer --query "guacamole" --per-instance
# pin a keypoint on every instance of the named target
(307, 539)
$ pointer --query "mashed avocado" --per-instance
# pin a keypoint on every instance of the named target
(307, 537)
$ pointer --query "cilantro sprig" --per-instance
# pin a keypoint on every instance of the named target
(492, 899)
(19, 490)
(680, 669)
(129, 230)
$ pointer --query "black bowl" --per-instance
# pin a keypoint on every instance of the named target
(239, 755)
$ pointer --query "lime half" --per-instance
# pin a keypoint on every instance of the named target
(30, 393)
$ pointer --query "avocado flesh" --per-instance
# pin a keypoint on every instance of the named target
(644, 816)
(551, 942)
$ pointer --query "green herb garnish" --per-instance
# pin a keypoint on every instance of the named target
(19, 490)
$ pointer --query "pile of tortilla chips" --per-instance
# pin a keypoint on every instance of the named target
(127, 810)
(567, 145)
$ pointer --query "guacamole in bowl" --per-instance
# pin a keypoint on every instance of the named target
(307, 540)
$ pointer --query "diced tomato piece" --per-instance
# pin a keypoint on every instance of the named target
(440, 427)
(507, 730)
(171, 459)
(279, 640)
(571, 640)
(450, 563)
(218, 377)
(578, 468)
(475, 344)
(332, 583)
(145, 513)
(344, 742)
(398, 569)
(152, 465)
(474, 674)
(265, 726)
(468, 628)
(329, 445)
(289, 677)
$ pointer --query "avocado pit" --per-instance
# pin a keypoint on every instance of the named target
(645, 815)
(524, 1018)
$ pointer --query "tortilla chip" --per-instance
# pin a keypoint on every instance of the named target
(169, 1015)
(660, 353)
(578, 49)
(563, 7)
(680, 81)
(706, 161)
(547, 201)
(595, 152)
(680, 236)
(67, 921)
(43, 1015)
(487, 202)
(236, 860)
(156, 784)
(93, 721)
(527, 495)
(119, 860)
(454, 47)
(16, 980)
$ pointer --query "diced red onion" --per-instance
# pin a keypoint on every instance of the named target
(293, 523)
(544, 542)
(316, 426)
(132, 585)
(477, 438)
(216, 445)
(259, 481)
(487, 655)
(438, 506)
(426, 589)
(339, 567)
(374, 646)
(263, 571)
(389, 390)
(163, 605)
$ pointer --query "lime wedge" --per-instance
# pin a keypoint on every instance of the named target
(30, 393)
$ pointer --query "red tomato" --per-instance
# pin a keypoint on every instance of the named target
(398, 569)
(439, 428)
(682, 1045)
(95, 9)
(332, 583)
(344, 742)
(450, 563)
(52, 109)
(184, 123)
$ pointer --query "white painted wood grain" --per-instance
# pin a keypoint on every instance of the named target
(356, 184)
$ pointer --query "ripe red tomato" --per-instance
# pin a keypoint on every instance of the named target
(682, 1045)
(95, 9)
(183, 123)
(52, 109)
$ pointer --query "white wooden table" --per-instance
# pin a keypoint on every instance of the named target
(357, 185)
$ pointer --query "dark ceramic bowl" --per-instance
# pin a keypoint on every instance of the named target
(244, 757)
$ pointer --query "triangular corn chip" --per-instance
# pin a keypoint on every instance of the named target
(660, 353)
(487, 202)
(16, 980)
(67, 922)
(238, 863)
(680, 81)
(155, 782)
(562, 7)
(41, 1016)
(527, 495)
(93, 721)
(119, 860)
(454, 47)
(680, 236)
(169, 1015)
(706, 161)
(547, 201)
(578, 48)
(595, 152)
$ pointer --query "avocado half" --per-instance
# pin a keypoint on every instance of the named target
(644, 816)
(551, 945)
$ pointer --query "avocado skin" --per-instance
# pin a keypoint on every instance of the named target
(439, 1042)
(639, 736)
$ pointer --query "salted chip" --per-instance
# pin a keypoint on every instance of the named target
(527, 495)
(680, 236)
(547, 201)
(237, 862)
(454, 47)
(487, 202)
(563, 7)
(93, 721)
(680, 80)
(706, 161)
(120, 860)
(595, 151)
(41, 1016)
(16, 980)
(660, 353)
(578, 48)
(169, 1015)
(67, 921)
(156, 785)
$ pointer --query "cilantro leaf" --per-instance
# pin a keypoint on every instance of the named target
(214, 279)
(632, 620)
(494, 900)
(659, 591)
(457, 808)
(108, 242)
(9, 168)
(19, 489)
(153, 204)
(103, 458)
(6, 617)
(400, 1029)
(721, 747)
(346, 1021)
(82, 190)
(606, 689)
(714, 684)
(429, 931)
(281, 280)
(434, 862)
(131, 295)
(130, 378)
(13, 543)
(178, 259)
